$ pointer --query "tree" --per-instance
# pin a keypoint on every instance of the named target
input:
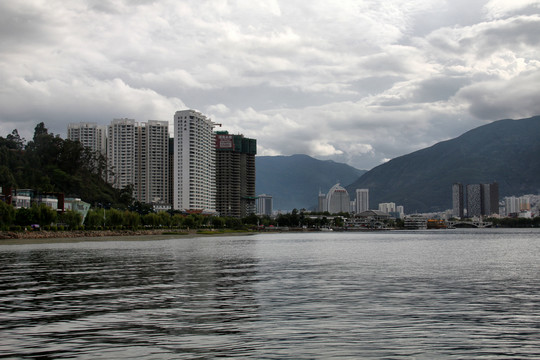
(15, 140)
(132, 220)
(126, 195)
(71, 218)
(95, 218)
(218, 222)
(114, 218)
(7, 215)
(151, 220)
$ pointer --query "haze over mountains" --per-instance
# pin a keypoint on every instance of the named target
(505, 151)
(294, 181)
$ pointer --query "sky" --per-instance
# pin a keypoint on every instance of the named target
(355, 81)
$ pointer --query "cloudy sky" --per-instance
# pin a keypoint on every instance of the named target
(356, 81)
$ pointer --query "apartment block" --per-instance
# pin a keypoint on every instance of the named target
(194, 162)
(235, 175)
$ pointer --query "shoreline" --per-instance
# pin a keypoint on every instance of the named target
(42, 237)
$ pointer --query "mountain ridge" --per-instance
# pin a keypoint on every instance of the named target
(505, 151)
(294, 181)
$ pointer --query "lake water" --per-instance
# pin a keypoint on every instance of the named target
(447, 294)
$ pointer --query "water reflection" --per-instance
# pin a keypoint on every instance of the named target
(389, 295)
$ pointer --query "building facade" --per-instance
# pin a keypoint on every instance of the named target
(121, 153)
(482, 199)
(194, 162)
(362, 200)
(152, 161)
(90, 135)
(235, 175)
(138, 156)
(490, 198)
(387, 207)
(474, 200)
(338, 200)
(265, 205)
(457, 200)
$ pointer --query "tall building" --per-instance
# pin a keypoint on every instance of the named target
(482, 199)
(121, 152)
(138, 156)
(152, 162)
(515, 205)
(171, 170)
(457, 200)
(264, 205)
(338, 200)
(322, 205)
(490, 198)
(362, 200)
(474, 200)
(235, 175)
(194, 162)
(387, 207)
(90, 135)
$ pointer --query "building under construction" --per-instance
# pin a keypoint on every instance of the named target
(235, 175)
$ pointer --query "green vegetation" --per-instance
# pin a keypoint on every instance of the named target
(48, 163)
(515, 222)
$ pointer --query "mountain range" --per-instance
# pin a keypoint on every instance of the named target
(295, 181)
(504, 151)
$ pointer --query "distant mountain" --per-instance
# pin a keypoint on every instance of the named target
(505, 151)
(294, 181)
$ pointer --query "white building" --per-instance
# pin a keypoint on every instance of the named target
(338, 200)
(152, 159)
(90, 135)
(121, 152)
(264, 205)
(138, 155)
(514, 205)
(362, 200)
(194, 162)
(387, 207)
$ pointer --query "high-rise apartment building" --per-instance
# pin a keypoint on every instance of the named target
(265, 205)
(474, 200)
(387, 207)
(235, 175)
(482, 199)
(138, 155)
(362, 200)
(194, 162)
(515, 205)
(490, 198)
(90, 135)
(121, 152)
(322, 205)
(457, 200)
(152, 162)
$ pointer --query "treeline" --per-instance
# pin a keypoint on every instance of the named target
(515, 222)
(48, 163)
(141, 217)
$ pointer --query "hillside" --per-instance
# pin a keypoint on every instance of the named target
(505, 151)
(294, 181)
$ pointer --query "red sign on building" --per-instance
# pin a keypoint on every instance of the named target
(224, 142)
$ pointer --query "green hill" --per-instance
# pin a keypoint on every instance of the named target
(48, 163)
(294, 181)
(505, 151)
